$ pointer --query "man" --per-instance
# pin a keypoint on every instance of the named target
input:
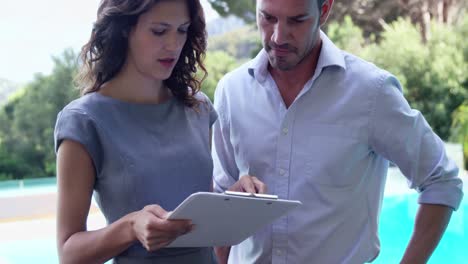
(319, 125)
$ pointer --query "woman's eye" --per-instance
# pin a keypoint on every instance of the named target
(158, 32)
(184, 28)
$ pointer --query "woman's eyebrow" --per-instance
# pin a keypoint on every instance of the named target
(169, 25)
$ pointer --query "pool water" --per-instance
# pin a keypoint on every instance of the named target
(37, 251)
(16, 188)
(396, 225)
(29, 251)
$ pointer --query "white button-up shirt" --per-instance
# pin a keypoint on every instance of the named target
(330, 149)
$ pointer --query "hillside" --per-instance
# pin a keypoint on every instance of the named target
(222, 25)
(239, 42)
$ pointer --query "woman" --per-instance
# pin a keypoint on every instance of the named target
(138, 137)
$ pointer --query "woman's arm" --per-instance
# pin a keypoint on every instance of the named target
(75, 180)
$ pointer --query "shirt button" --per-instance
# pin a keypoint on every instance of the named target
(285, 131)
(279, 252)
(282, 172)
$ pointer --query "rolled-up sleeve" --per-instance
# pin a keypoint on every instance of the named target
(403, 136)
(225, 172)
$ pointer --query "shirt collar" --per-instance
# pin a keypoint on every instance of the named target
(258, 67)
(330, 55)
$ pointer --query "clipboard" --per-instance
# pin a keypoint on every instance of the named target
(225, 219)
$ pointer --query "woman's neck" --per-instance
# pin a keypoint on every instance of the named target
(129, 86)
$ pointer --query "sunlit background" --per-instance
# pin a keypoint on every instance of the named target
(33, 31)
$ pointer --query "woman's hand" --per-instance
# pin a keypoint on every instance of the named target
(154, 230)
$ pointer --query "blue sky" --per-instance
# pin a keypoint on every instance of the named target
(31, 32)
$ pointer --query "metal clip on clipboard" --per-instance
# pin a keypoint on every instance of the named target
(253, 195)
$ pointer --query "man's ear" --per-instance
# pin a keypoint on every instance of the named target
(325, 11)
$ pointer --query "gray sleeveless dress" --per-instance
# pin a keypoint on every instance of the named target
(143, 154)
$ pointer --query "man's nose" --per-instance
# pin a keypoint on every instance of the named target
(280, 33)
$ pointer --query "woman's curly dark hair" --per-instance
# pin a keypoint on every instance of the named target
(106, 51)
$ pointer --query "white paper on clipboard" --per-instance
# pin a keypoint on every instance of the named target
(222, 219)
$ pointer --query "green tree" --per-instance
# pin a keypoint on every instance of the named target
(239, 43)
(244, 9)
(347, 36)
(432, 74)
(6, 89)
(27, 135)
(217, 64)
(369, 15)
(11, 165)
(459, 132)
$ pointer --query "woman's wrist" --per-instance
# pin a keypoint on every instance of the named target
(129, 221)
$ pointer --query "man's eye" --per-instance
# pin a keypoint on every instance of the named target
(296, 21)
(268, 18)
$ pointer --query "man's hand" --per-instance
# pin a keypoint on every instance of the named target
(246, 183)
(250, 184)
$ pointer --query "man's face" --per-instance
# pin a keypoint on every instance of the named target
(289, 30)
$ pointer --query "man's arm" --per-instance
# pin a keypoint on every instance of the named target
(222, 152)
(430, 225)
(402, 135)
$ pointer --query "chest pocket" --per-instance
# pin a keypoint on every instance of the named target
(335, 156)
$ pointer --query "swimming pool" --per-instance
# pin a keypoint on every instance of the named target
(396, 224)
(16, 188)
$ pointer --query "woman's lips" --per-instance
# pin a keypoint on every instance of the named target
(167, 62)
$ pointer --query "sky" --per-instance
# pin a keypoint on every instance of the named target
(32, 31)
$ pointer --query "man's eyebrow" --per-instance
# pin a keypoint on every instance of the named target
(300, 17)
(265, 13)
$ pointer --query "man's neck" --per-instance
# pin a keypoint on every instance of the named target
(291, 82)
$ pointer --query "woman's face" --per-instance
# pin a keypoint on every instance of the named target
(156, 41)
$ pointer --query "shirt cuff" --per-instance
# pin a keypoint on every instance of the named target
(448, 193)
